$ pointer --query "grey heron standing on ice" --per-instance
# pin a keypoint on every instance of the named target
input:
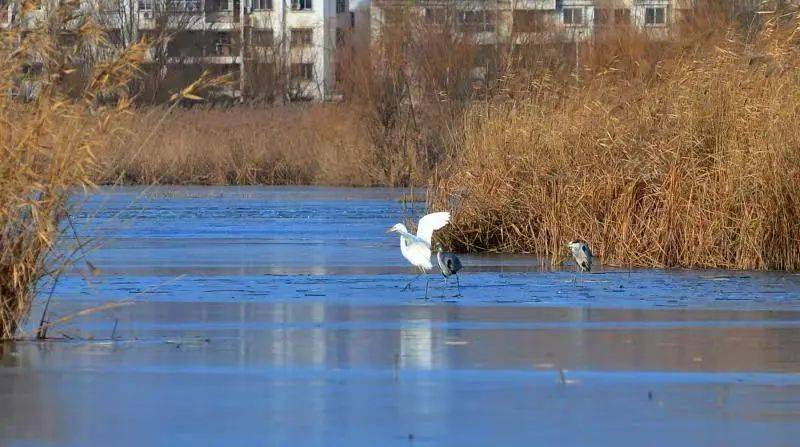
(417, 248)
(582, 255)
(449, 264)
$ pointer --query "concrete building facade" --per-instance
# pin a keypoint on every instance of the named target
(525, 21)
(292, 43)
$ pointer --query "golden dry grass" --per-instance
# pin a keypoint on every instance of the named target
(294, 144)
(47, 148)
(694, 162)
(60, 107)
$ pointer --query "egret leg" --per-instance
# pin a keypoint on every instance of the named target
(458, 286)
(408, 286)
(427, 281)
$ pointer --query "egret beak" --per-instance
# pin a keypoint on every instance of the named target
(390, 230)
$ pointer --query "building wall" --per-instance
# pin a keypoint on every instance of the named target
(323, 20)
(571, 20)
(218, 32)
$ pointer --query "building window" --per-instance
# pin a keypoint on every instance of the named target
(435, 16)
(261, 5)
(145, 5)
(529, 21)
(216, 5)
(622, 16)
(655, 16)
(222, 44)
(341, 6)
(601, 16)
(183, 5)
(262, 38)
(476, 21)
(339, 37)
(301, 5)
(303, 72)
(573, 16)
(261, 48)
(302, 37)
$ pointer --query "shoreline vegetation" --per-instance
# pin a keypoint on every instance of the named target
(52, 131)
(296, 144)
(691, 162)
(678, 153)
(48, 147)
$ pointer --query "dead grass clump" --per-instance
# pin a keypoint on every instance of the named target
(693, 163)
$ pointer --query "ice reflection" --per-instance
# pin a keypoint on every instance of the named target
(324, 373)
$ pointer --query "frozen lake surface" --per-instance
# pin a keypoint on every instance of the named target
(275, 316)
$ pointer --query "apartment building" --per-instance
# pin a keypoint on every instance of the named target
(529, 21)
(579, 20)
(280, 44)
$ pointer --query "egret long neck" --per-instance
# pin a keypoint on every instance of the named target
(403, 242)
(404, 232)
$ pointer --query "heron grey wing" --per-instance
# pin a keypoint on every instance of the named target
(450, 265)
(587, 250)
(456, 264)
(442, 262)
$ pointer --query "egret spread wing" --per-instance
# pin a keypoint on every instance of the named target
(430, 223)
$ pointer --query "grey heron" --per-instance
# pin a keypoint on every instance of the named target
(582, 255)
(449, 264)
(417, 248)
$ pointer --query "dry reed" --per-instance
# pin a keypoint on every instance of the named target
(47, 146)
(294, 144)
(60, 106)
(691, 159)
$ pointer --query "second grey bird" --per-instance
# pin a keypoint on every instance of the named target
(582, 255)
(449, 264)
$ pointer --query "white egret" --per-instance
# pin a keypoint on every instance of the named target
(417, 248)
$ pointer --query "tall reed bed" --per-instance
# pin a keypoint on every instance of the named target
(693, 161)
(48, 143)
(244, 145)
